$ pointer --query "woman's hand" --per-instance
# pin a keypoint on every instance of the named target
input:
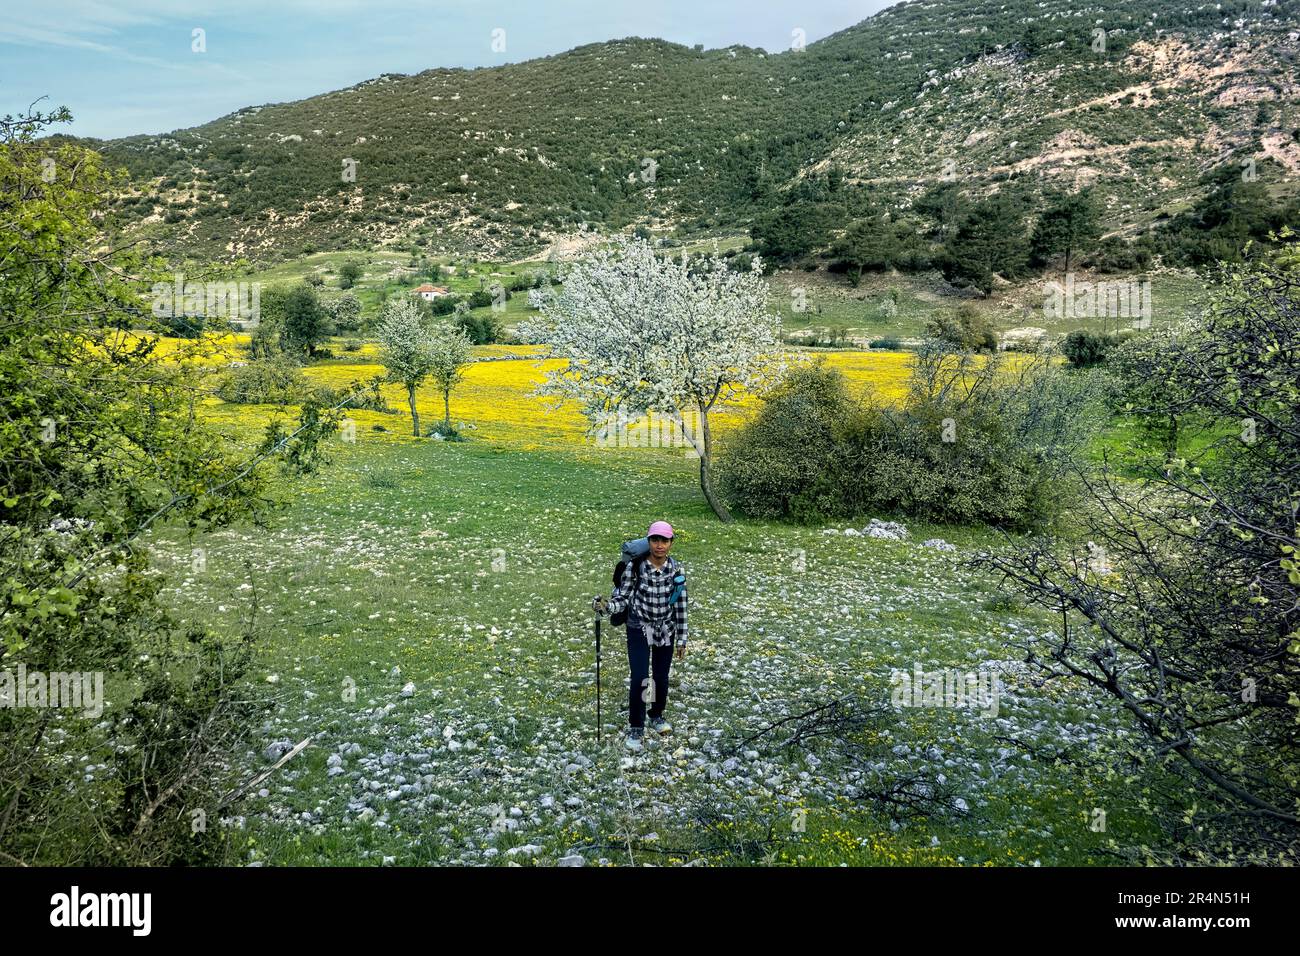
(598, 604)
(681, 651)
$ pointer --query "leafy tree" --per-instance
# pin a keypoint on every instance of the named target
(305, 322)
(349, 274)
(879, 243)
(1068, 225)
(99, 445)
(1150, 387)
(1182, 607)
(481, 326)
(990, 241)
(943, 204)
(344, 312)
(1233, 219)
(967, 329)
(792, 231)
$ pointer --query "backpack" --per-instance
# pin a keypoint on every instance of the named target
(637, 551)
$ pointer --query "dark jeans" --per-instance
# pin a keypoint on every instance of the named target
(639, 659)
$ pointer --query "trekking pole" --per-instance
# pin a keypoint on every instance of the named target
(599, 727)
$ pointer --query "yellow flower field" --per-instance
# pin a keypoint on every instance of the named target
(496, 400)
(497, 397)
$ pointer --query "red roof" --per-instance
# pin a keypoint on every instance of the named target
(441, 290)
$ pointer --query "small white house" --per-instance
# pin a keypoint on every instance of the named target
(430, 292)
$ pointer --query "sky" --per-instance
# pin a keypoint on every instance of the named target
(138, 66)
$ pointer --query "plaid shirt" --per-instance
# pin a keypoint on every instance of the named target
(650, 608)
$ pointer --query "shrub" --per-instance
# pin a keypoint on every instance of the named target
(274, 381)
(967, 329)
(792, 460)
(444, 432)
(1188, 626)
(973, 442)
(483, 328)
(366, 397)
(443, 305)
(1084, 348)
(349, 273)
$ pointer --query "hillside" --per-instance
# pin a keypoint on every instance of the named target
(506, 160)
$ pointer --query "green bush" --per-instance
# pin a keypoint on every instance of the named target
(366, 397)
(349, 274)
(973, 442)
(280, 381)
(792, 460)
(273, 381)
(1084, 348)
(967, 329)
(483, 328)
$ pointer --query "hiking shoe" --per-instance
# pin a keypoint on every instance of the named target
(661, 726)
(633, 742)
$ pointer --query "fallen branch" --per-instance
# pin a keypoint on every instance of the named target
(233, 794)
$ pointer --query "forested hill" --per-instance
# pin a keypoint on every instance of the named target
(1148, 103)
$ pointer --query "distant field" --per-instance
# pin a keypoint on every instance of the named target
(883, 308)
(496, 398)
(899, 306)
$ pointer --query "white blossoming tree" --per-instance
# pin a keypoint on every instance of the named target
(451, 354)
(407, 348)
(649, 334)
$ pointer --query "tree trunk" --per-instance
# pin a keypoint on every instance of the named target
(706, 471)
(446, 409)
(415, 415)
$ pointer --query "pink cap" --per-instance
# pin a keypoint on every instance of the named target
(661, 528)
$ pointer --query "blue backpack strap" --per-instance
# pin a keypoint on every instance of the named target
(679, 582)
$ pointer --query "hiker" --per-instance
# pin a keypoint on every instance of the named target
(653, 590)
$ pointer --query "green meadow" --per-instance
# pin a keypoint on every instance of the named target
(423, 611)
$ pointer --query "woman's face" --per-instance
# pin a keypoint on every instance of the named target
(659, 547)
